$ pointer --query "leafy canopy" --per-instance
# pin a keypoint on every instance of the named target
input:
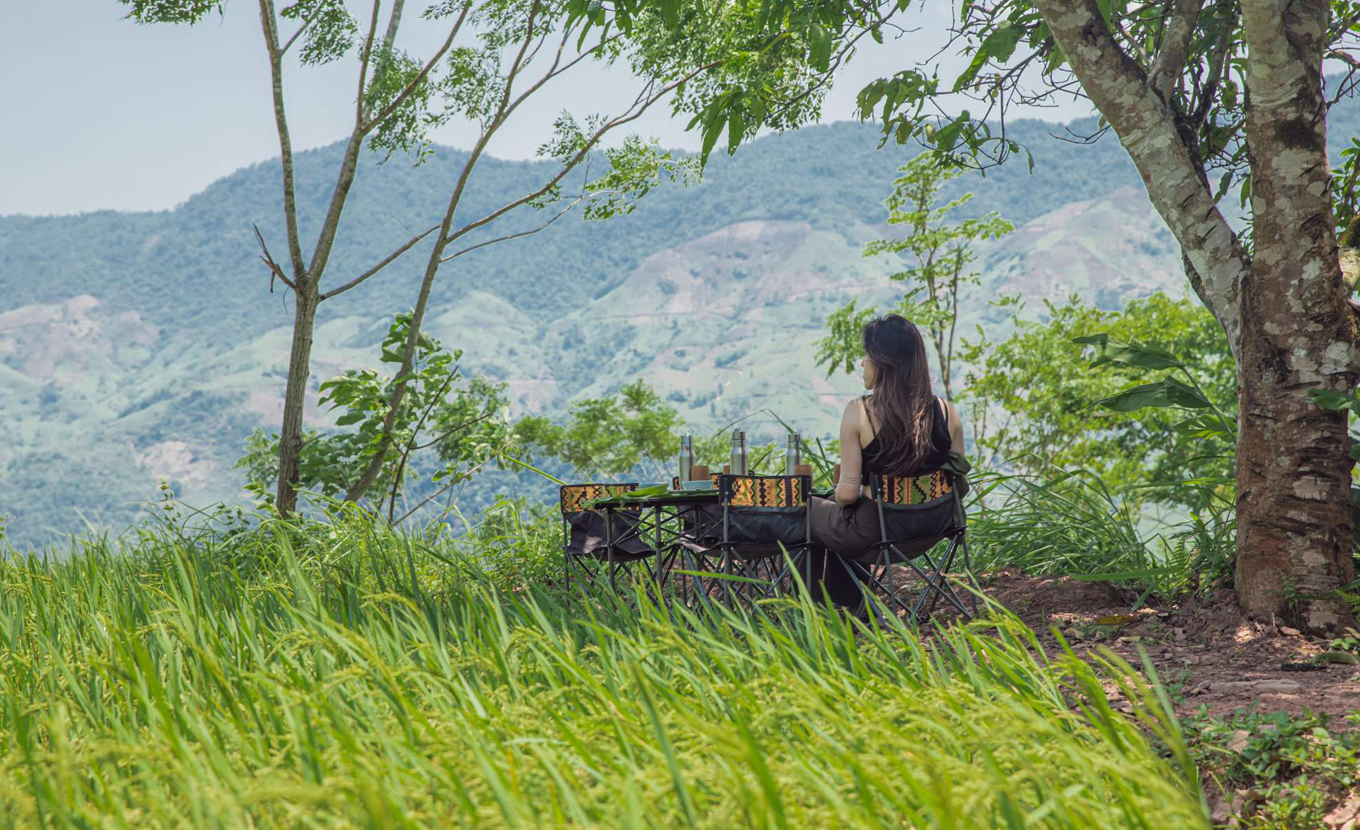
(609, 436)
(1071, 392)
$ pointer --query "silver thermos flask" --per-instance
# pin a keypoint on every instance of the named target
(686, 457)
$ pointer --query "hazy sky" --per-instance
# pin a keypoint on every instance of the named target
(100, 113)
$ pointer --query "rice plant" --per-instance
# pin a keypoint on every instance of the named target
(342, 675)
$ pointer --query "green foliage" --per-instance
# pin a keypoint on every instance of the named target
(611, 436)
(1290, 767)
(942, 252)
(1038, 402)
(1073, 524)
(172, 11)
(635, 167)
(843, 345)
(329, 31)
(515, 544)
(364, 677)
(468, 417)
(1009, 46)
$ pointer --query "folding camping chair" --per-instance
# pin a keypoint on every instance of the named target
(762, 518)
(914, 515)
(597, 544)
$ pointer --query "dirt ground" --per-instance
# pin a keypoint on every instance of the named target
(1204, 650)
(1209, 656)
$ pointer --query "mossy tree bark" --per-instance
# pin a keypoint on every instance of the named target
(1284, 305)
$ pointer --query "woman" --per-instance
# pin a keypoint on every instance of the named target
(900, 429)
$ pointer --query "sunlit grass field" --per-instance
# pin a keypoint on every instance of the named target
(297, 675)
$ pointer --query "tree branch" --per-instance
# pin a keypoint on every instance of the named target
(393, 21)
(563, 212)
(271, 42)
(627, 116)
(348, 165)
(296, 35)
(274, 269)
(410, 445)
(381, 265)
(461, 426)
(1147, 128)
(419, 79)
(1170, 60)
(363, 65)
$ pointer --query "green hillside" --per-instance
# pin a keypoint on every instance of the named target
(142, 345)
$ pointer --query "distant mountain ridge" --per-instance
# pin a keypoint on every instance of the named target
(138, 345)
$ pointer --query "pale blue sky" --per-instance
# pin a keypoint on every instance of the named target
(101, 113)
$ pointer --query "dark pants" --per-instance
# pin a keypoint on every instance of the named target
(843, 534)
(826, 577)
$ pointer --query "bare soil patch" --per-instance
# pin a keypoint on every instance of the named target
(1209, 655)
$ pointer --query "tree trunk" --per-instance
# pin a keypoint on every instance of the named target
(1283, 307)
(1293, 474)
(295, 396)
(1293, 471)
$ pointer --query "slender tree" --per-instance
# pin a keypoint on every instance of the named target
(941, 254)
(495, 55)
(1210, 98)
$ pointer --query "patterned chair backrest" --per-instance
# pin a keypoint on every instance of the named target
(907, 490)
(573, 496)
(764, 491)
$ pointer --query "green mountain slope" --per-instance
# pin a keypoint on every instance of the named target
(137, 346)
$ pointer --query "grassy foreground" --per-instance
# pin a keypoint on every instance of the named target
(345, 677)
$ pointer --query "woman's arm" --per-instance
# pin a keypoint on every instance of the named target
(955, 428)
(852, 456)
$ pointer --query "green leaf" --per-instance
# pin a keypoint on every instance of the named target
(736, 128)
(948, 136)
(1335, 401)
(1129, 354)
(998, 46)
(819, 47)
(1167, 392)
(670, 12)
(1201, 426)
(713, 124)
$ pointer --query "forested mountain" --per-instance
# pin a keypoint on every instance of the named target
(143, 345)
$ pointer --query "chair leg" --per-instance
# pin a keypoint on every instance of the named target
(866, 587)
(939, 586)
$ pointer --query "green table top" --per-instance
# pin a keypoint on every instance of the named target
(662, 495)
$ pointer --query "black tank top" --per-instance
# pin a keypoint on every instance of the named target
(934, 460)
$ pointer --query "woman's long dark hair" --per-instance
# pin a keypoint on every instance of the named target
(902, 406)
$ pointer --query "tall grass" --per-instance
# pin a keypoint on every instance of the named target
(1071, 524)
(343, 676)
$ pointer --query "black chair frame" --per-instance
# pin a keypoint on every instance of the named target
(889, 551)
(615, 557)
(761, 561)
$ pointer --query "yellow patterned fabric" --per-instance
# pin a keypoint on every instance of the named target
(575, 495)
(915, 489)
(766, 491)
